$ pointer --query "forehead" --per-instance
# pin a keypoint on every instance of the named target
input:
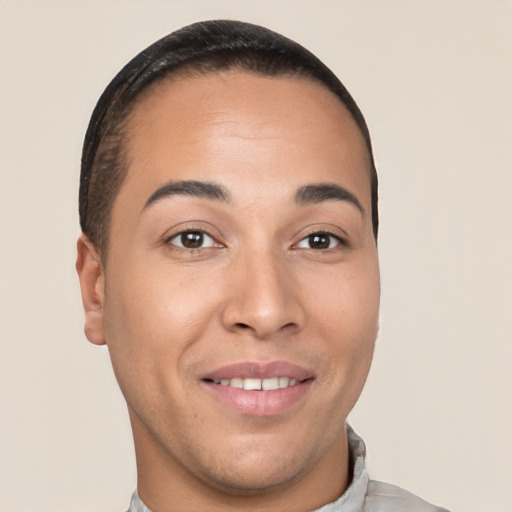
(215, 123)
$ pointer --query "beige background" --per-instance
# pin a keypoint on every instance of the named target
(434, 80)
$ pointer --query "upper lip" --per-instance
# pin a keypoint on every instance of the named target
(260, 370)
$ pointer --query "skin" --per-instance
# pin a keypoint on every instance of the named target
(257, 291)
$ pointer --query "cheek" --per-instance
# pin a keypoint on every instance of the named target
(153, 324)
(347, 312)
(153, 319)
(348, 300)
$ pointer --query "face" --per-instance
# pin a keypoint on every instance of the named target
(240, 297)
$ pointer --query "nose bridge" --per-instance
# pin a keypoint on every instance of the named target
(264, 299)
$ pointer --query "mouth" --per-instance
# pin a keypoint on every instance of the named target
(260, 389)
(250, 384)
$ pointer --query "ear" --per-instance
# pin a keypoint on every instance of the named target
(92, 285)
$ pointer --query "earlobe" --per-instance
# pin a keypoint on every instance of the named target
(92, 285)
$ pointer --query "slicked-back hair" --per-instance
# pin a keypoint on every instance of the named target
(204, 47)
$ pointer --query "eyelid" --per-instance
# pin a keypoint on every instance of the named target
(186, 227)
(325, 229)
(339, 241)
(170, 239)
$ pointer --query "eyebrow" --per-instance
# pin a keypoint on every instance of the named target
(194, 188)
(317, 193)
(308, 194)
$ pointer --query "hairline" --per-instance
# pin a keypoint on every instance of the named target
(113, 146)
(123, 127)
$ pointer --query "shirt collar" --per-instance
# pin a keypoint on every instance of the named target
(353, 498)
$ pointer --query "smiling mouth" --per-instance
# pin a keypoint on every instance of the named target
(251, 384)
(255, 388)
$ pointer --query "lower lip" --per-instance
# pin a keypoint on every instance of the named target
(260, 403)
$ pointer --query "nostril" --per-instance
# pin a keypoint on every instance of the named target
(287, 327)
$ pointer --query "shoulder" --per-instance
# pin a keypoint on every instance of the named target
(382, 497)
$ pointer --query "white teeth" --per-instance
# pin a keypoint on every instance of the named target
(252, 384)
(269, 384)
(283, 382)
(237, 383)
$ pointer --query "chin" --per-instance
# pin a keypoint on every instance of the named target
(245, 479)
(258, 466)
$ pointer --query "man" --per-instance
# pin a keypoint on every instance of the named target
(228, 259)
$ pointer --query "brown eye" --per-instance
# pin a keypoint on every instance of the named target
(319, 241)
(192, 240)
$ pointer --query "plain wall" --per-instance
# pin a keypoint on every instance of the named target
(434, 80)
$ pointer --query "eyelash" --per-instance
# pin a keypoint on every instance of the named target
(339, 242)
(191, 231)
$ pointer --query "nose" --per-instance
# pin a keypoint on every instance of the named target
(264, 297)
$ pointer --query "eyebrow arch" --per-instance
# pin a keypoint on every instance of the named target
(203, 189)
(317, 193)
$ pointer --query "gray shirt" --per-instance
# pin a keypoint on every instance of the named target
(362, 495)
